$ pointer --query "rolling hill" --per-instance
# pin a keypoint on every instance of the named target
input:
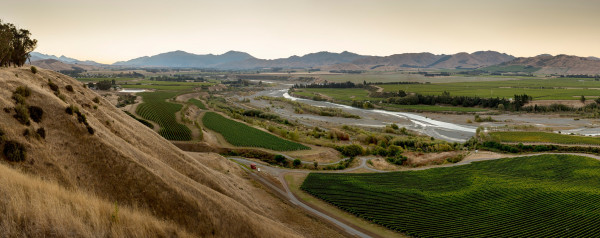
(185, 59)
(560, 64)
(118, 178)
(429, 60)
(57, 65)
(35, 56)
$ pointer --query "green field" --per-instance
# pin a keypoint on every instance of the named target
(102, 79)
(539, 89)
(165, 85)
(198, 103)
(240, 134)
(432, 108)
(490, 86)
(540, 196)
(343, 94)
(543, 137)
(156, 109)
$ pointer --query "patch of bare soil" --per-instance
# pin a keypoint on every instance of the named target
(316, 153)
(382, 164)
(417, 159)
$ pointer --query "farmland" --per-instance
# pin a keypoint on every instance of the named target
(542, 137)
(539, 196)
(155, 108)
(240, 134)
(434, 108)
(197, 103)
(165, 85)
(538, 88)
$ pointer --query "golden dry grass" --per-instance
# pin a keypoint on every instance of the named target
(128, 163)
(31, 207)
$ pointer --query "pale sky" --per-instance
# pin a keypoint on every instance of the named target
(113, 30)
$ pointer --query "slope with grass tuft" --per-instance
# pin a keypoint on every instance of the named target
(123, 162)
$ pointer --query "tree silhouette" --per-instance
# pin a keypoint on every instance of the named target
(15, 45)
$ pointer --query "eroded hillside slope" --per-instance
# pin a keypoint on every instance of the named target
(128, 163)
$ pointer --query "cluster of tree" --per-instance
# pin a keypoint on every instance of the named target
(329, 85)
(177, 78)
(73, 72)
(582, 76)
(347, 71)
(102, 85)
(262, 77)
(519, 148)
(15, 45)
(465, 101)
(391, 83)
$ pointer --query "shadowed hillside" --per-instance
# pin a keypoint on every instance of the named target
(118, 160)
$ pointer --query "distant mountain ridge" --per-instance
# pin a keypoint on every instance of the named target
(184, 59)
(241, 60)
(36, 56)
(559, 64)
(235, 60)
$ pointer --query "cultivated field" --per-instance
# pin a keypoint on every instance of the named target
(543, 137)
(156, 109)
(540, 196)
(240, 134)
(539, 89)
(198, 103)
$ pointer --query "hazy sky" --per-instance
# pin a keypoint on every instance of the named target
(113, 30)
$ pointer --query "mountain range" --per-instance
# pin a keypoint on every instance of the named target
(35, 56)
(236, 60)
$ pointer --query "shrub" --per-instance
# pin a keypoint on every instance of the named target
(14, 151)
(41, 132)
(19, 99)
(22, 114)
(23, 91)
(71, 109)
(297, 162)
(397, 160)
(33, 69)
(81, 118)
(26, 133)
(69, 88)
(96, 100)
(279, 158)
(351, 150)
(90, 129)
(53, 86)
(1, 136)
(36, 113)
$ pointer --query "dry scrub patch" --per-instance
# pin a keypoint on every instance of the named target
(417, 159)
(382, 164)
(316, 153)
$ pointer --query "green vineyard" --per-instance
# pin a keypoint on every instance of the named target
(240, 134)
(540, 196)
(156, 109)
(544, 137)
(198, 103)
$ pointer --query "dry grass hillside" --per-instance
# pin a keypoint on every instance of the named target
(57, 65)
(162, 190)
